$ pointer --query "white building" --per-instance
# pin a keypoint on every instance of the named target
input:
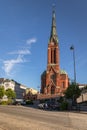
(6, 83)
(17, 87)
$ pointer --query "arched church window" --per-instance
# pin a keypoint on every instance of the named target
(53, 77)
(63, 84)
(54, 55)
(51, 56)
(52, 90)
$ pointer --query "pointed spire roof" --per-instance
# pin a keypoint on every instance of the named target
(53, 35)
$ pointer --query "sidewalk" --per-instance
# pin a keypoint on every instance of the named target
(78, 111)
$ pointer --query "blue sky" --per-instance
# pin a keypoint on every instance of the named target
(25, 27)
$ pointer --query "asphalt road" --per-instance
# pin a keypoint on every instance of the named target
(26, 118)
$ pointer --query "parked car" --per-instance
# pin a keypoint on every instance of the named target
(17, 103)
(23, 103)
(41, 106)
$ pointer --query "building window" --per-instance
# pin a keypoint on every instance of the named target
(51, 55)
(63, 84)
(55, 56)
(52, 90)
(53, 77)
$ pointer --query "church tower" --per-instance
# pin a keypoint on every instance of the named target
(53, 80)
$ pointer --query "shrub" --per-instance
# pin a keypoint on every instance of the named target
(9, 102)
(4, 103)
(64, 105)
(29, 102)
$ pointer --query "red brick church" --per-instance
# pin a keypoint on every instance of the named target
(53, 80)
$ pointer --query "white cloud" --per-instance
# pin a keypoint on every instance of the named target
(26, 50)
(30, 41)
(9, 64)
(21, 52)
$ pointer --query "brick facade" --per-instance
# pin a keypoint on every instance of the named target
(53, 80)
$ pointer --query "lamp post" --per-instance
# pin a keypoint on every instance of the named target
(73, 49)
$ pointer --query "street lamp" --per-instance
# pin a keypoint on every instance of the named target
(72, 48)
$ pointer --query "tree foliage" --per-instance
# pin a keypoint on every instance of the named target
(85, 87)
(10, 93)
(2, 91)
(72, 92)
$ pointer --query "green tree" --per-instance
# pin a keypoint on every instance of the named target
(72, 92)
(10, 93)
(2, 91)
(85, 87)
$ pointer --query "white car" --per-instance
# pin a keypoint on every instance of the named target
(41, 106)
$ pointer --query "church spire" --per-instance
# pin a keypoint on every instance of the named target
(53, 35)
